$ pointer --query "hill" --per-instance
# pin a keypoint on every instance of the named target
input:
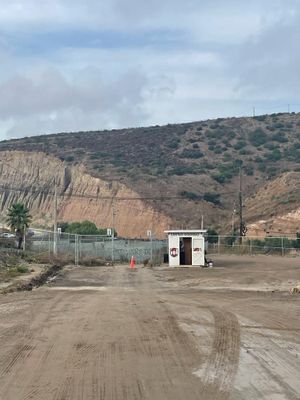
(196, 162)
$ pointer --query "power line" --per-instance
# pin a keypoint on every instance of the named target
(127, 198)
(50, 193)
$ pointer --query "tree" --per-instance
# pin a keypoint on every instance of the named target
(63, 226)
(18, 219)
(212, 236)
(83, 228)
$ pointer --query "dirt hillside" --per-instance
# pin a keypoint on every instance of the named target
(198, 163)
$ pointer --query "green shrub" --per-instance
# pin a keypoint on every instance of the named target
(22, 269)
(212, 236)
(249, 170)
(174, 143)
(227, 157)
(220, 178)
(279, 137)
(270, 146)
(292, 154)
(191, 153)
(240, 144)
(96, 156)
(69, 158)
(190, 195)
(245, 152)
(216, 133)
(183, 170)
(212, 198)
(262, 167)
(218, 150)
(260, 118)
(270, 128)
(271, 172)
(231, 135)
(206, 165)
(275, 155)
(82, 228)
(258, 137)
(279, 125)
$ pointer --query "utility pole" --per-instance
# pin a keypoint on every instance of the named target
(112, 232)
(241, 206)
(55, 221)
(253, 111)
(202, 222)
(233, 219)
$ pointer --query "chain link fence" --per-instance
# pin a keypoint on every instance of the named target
(80, 248)
(281, 245)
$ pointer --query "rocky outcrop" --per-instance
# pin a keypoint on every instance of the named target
(30, 177)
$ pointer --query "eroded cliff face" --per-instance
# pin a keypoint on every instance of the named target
(275, 208)
(80, 196)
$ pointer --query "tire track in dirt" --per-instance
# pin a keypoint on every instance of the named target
(288, 390)
(26, 335)
(22, 352)
(119, 344)
(167, 346)
(218, 372)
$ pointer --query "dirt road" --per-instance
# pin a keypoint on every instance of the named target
(110, 333)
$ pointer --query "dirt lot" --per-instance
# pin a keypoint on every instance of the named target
(231, 332)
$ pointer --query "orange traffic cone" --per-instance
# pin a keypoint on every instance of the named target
(132, 262)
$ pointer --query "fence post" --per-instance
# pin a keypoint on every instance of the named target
(219, 242)
(282, 247)
(49, 245)
(76, 250)
(79, 248)
(112, 245)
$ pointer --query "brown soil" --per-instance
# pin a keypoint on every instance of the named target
(231, 332)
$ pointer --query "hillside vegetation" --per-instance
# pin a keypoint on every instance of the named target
(198, 161)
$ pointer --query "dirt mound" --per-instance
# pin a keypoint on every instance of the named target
(36, 281)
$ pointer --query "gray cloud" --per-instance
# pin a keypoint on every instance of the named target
(268, 65)
(53, 102)
(173, 61)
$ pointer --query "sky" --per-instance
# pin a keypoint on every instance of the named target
(70, 65)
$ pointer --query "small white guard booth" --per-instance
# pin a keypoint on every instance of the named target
(186, 247)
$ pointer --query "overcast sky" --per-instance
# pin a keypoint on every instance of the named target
(70, 65)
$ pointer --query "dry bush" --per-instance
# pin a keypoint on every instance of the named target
(45, 258)
(94, 262)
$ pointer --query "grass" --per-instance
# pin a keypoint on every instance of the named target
(7, 273)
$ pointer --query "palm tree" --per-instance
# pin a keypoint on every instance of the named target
(18, 219)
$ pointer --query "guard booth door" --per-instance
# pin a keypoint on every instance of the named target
(198, 251)
(185, 251)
